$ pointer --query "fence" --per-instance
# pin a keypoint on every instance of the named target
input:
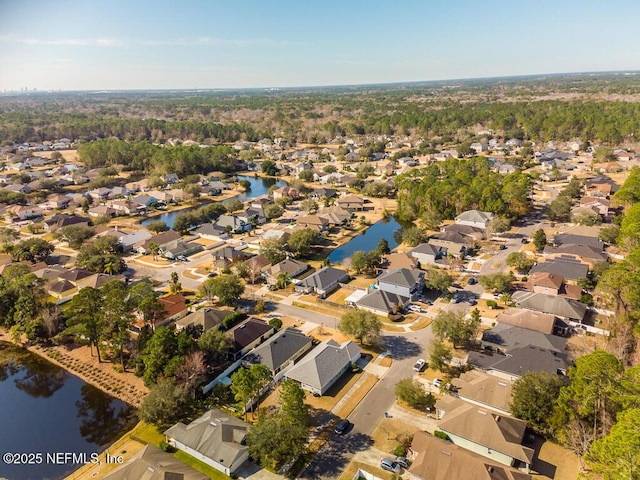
(207, 388)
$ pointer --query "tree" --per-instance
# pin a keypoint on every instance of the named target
(157, 226)
(358, 261)
(383, 247)
(273, 211)
(32, 250)
(362, 325)
(84, 317)
(413, 236)
(439, 279)
(609, 234)
(520, 262)
(308, 205)
(206, 290)
(497, 282)
(273, 249)
(116, 318)
(294, 410)
(228, 288)
(560, 208)
(533, 398)
(306, 175)
(275, 442)
(617, 456)
(154, 249)
(174, 283)
(439, 355)
(455, 327)
(270, 168)
(499, 224)
(539, 239)
(165, 404)
(192, 371)
(215, 344)
(246, 383)
(233, 205)
(245, 184)
(283, 280)
(159, 351)
(301, 242)
(74, 235)
(413, 394)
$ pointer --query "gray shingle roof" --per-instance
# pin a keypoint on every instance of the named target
(522, 360)
(277, 351)
(323, 278)
(319, 366)
(568, 238)
(215, 435)
(248, 332)
(569, 268)
(381, 300)
(508, 337)
(402, 277)
(559, 306)
(474, 216)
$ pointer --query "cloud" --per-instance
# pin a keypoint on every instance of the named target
(68, 42)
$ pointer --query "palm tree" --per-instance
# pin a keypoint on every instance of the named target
(174, 283)
(154, 248)
(109, 268)
(283, 280)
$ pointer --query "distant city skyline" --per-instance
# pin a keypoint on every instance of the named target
(199, 44)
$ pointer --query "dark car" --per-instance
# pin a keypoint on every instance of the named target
(502, 247)
(472, 281)
(342, 426)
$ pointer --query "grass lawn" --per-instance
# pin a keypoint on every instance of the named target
(423, 323)
(386, 434)
(349, 406)
(315, 308)
(200, 466)
(148, 433)
(353, 467)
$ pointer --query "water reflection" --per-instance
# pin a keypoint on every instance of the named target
(101, 416)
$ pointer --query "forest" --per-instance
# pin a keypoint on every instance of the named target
(601, 108)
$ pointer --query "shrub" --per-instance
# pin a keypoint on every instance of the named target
(440, 434)
(276, 323)
(399, 451)
(164, 446)
(492, 304)
(233, 319)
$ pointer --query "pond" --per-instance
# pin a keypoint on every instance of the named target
(368, 240)
(47, 410)
(259, 187)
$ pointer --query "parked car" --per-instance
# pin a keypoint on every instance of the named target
(212, 274)
(419, 365)
(472, 281)
(389, 465)
(415, 308)
(473, 301)
(502, 247)
(342, 426)
(403, 462)
(437, 383)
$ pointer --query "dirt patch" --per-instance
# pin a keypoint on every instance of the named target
(556, 462)
(339, 295)
(329, 400)
(353, 467)
(423, 323)
(385, 361)
(318, 309)
(385, 436)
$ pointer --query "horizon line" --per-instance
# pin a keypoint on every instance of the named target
(321, 86)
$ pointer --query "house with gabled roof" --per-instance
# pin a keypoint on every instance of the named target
(215, 438)
(322, 282)
(474, 218)
(503, 338)
(151, 463)
(324, 365)
(207, 318)
(281, 350)
(568, 267)
(537, 321)
(382, 302)
(291, 267)
(494, 436)
(351, 203)
(437, 459)
(566, 308)
(247, 335)
(428, 254)
(484, 390)
(402, 281)
(520, 361)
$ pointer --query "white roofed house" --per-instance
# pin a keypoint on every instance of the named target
(474, 218)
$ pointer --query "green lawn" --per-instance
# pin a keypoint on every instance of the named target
(200, 466)
(148, 433)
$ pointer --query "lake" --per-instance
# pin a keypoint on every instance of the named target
(368, 240)
(259, 187)
(47, 410)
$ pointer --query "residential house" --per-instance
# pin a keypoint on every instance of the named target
(520, 361)
(144, 201)
(384, 167)
(570, 268)
(275, 234)
(599, 205)
(320, 194)
(211, 231)
(258, 264)
(97, 280)
(553, 284)
(24, 212)
(437, 459)
(138, 186)
(334, 219)
(151, 463)
(472, 233)
(503, 338)
(125, 207)
(60, 220)
(74, 275)
(165, 240)
(394, 261)
(494, 436)
(565, 308)
(228, 255)
(537, 321)
(322, 282)
(324, 365)
(215, 438)
(61, 289)
(382, 302)
(100, 194)
(428, 254)
(174, 307)
(288, 266)
(474, 218)
(102, 211)
(288, 192)
(233, 224)
(206, 318)
(402, 281)
(57, 201)
(171, 178)
(247, 335)
(351, 203)
(281, 350)
(132, 241)
(573, 239)
(609, 167)
(581, 253)
(484, 390)
(314, 222)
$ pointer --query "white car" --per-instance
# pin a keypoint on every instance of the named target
(437, 383)
(415, 308)
(419, 365)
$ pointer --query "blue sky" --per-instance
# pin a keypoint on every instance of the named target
(129, 44)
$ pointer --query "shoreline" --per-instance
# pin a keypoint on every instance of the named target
(99, 375)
